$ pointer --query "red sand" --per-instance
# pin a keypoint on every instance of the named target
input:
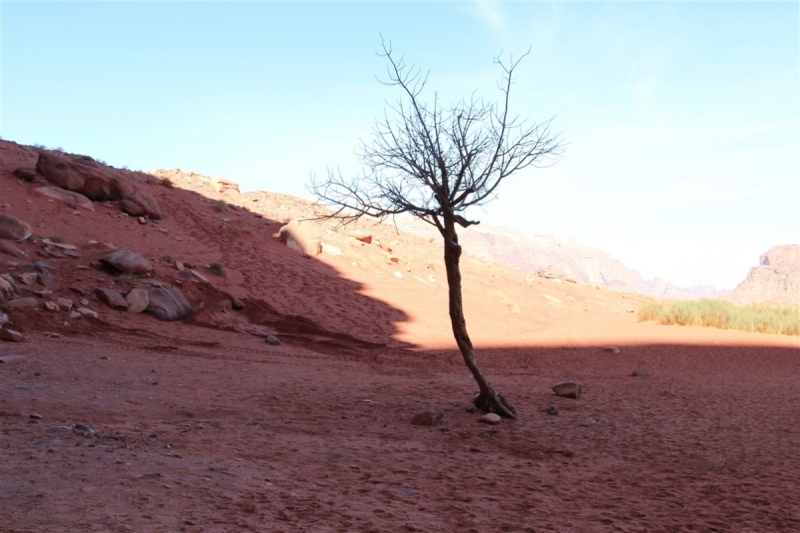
(204, 429)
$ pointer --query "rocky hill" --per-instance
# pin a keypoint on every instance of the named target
(776, 279)
(534, 252)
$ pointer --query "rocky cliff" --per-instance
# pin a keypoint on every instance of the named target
(776, 279)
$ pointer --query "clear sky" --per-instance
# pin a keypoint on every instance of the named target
(683, 118)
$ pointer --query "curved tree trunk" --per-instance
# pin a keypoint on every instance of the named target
(489, 399)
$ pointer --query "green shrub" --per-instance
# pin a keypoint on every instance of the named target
(721, 314)
(221, 207)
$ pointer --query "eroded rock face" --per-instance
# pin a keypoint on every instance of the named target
(127, 262)
(120, 188)
(79, 174)
(776, 279)
(14, 228)
(140, 203)
(168, 304)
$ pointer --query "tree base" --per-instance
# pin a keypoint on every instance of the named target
(495, 403)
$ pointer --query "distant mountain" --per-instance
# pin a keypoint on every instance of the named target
(534, 252)
(776, 279)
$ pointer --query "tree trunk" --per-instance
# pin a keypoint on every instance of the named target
(488, 399)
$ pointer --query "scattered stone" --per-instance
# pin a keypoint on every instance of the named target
(73, 315)
(10, 335)
(9, 249)
(471, 408)
(3, 319)
(8, 359)
(611, 349)
(238, 304)
(83, 429)
(35, 416)
(330, 249)
(587, 422)
(199, 276)
(43, 293)
(13, 228)
(179, 266)
(491, 419)
(52, 306)
(43, 272)
(432, 416)
(127, 262)
(140, 203)
(6, 289)
(86, 312)
(22, 303)
(185, 274)
(168, 304)
(568, 389)
(301, 237)
(28, 278)
(640, 374)
(362, 236)
(273, 340)
(111, 298)
(137, 300)
(549, 409)
(398, 275)
(79, 290)
(142, 220)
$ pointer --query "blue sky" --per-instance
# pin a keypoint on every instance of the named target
(682, 117)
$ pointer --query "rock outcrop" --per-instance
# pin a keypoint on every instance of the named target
(776, 279)
(76, 173)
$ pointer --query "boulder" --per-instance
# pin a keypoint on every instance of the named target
(568, 389)
(301, 236)
(43, 272)
(140, 203)
(111, 298)
(432, 416)
(168, 304)
(120, 188)
(137, 300)
(71, 198)
(127, 262)
(81, 174)
(9, 249)
(14, 228)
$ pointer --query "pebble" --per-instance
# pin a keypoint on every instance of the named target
(587, 422)
(611, 349)
(640, 374)
(491, 419)
(273, 340)
(471, 408)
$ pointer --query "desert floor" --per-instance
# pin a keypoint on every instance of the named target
(200, 425)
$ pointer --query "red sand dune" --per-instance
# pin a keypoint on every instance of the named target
(200, 425)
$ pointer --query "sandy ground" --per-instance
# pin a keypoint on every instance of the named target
(201, 426)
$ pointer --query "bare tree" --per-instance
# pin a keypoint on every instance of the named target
(435, 163)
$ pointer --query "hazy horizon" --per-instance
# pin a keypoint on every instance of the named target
(682, 118)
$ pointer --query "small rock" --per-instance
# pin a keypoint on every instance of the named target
(35, 416)
(490, 418)
(127, 262)
(330, 249)
(587, 422)
(28, 278)
(22, 302)
(142, 220)
(137, 300)
(611, 349)
(111, 298)
(238, 304)
(8, 359)
(83, 429)
(10, 335)
(179, 266)
(640, 374)
(568, 389)
(13, 228)
(362, 236)
(9, 249)
(52, 306)
(432, 416)
(273, 340)
(471, 408)
(65, 304)
(86, 312)
(73, 315)
(199, 276)
(398, 275)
